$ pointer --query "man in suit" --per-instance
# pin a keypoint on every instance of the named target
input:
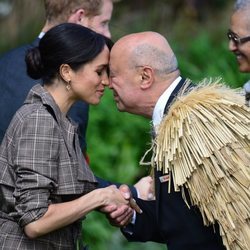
(144, 77)
(15, 83)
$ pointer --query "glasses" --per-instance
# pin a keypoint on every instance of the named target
(237, 40)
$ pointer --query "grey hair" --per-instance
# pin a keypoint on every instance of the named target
(241, 4)
(159, 60)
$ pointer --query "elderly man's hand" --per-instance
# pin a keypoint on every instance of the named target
(145, 188)
(121, 216)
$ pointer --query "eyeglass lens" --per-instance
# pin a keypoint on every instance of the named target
(232, 36)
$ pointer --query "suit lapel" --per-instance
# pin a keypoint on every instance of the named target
(174, 94)
(158, 175)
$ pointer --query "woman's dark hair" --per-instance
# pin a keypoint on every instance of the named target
(65, 43)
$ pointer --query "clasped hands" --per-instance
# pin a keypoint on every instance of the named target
(121, 214)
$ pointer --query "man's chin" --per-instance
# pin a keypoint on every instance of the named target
(244, 69)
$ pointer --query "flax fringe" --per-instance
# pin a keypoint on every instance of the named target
(204, 144)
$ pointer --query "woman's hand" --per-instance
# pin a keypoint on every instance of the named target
(121, 215)
(62, 214)
(111, 195)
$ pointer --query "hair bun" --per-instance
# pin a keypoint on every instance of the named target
(34, 63)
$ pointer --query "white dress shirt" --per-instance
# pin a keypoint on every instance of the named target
(41, 34)
(158, 112)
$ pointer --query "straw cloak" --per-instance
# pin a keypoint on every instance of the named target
(203, 143)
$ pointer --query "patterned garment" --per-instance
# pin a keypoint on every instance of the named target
(40, 163)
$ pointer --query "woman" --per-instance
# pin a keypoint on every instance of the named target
(46, 186)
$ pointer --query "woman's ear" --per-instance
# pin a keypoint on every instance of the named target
(65, 72)
(147, 77)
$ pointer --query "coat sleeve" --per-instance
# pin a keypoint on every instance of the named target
(36, 164)
(145, 227)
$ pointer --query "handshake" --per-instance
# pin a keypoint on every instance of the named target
(120, 213)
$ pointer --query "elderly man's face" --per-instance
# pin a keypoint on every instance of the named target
(240, 28)
(124, 81)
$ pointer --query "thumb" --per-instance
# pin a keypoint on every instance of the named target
(125, 191)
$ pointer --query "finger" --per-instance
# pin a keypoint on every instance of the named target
(123, 210)
(108, 209)
(123, 220)
(125, 191)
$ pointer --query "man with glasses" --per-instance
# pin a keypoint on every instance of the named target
(236, 39)
(239, 39)
(239, 34)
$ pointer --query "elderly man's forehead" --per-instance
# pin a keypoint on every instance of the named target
(119, 49)
(149, 38)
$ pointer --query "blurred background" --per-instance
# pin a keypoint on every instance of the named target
(196, 30)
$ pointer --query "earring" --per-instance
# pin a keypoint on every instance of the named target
(68, 87)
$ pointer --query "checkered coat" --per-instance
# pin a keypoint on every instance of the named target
(40, 163)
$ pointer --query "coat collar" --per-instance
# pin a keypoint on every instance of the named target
(38, 94)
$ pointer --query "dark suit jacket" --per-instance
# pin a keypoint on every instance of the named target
(14, 87)
(169, 220)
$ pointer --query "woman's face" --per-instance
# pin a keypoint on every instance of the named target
(88, 82)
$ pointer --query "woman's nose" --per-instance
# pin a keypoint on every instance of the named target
(105, 82)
